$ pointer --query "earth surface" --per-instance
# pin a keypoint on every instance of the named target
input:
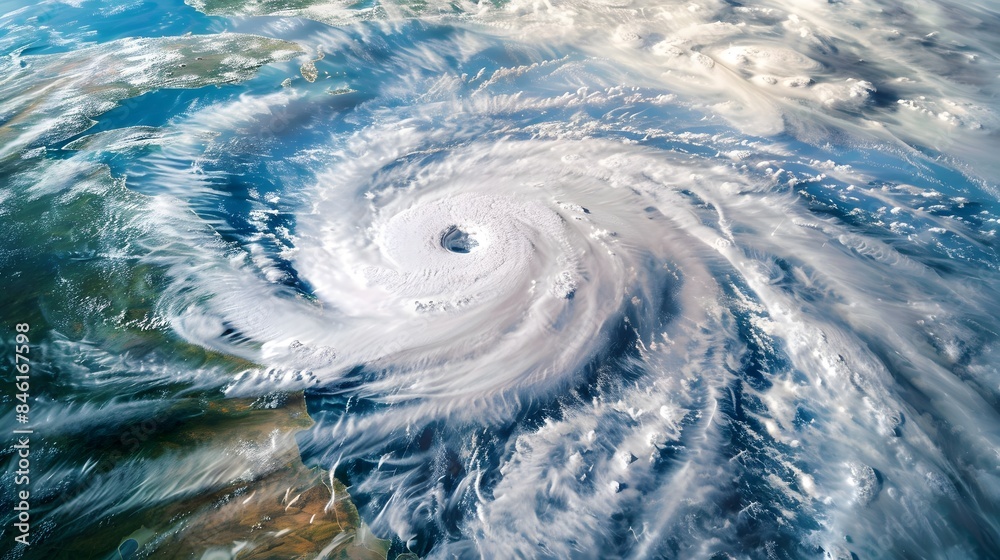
(509, 279)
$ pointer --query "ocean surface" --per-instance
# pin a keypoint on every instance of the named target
(561, 279)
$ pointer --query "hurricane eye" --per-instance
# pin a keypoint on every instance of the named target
(456, 240)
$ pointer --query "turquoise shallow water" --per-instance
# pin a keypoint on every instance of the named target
(714, 298)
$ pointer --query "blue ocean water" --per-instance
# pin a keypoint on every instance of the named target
(692, 317)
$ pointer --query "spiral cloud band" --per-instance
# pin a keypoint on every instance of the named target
(541, 314)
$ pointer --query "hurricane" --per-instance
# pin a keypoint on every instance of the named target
(563, 279)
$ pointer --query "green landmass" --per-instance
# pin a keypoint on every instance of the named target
(50, 98)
